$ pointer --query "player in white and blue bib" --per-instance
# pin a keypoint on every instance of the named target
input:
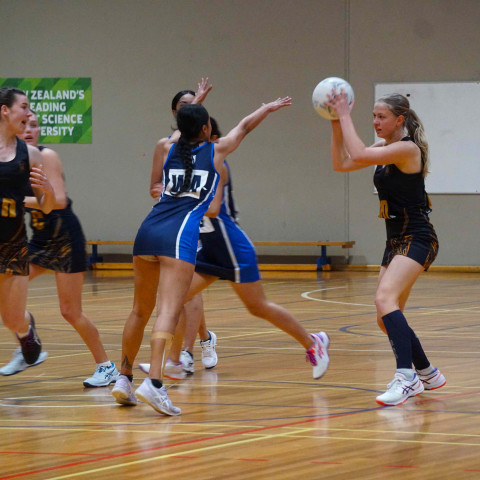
(165, 247)
(172, 227)
(225, 251)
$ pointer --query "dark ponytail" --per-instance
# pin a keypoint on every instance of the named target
(190, 120)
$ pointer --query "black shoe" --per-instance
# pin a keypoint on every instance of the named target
(30, 344)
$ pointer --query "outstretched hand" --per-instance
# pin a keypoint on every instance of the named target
(203, 89)
(39, 180)
(278, 103)
(338, 101)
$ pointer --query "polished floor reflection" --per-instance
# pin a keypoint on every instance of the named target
(258, 414)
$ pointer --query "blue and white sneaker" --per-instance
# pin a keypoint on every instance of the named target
(399, 390)
(102, 377)
(18, 364)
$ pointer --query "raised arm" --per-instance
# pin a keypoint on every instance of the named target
(355, 154)
(203, 90)
(159, 156)
(52, 167)
(342, 162)
(42, 188)
(232, 140)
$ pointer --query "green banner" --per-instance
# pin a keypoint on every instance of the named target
(63, 106)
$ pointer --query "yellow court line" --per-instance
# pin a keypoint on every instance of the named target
(388, 440)
(419, 432)
(296, 434)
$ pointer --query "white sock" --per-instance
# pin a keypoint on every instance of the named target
(25, 334)
(426, 371)
(407, 372)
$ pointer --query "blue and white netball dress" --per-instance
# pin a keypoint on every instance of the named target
(171, 229)
(225, 250)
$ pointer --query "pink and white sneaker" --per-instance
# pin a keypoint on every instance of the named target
(318, 354)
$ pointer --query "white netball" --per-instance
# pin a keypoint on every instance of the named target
(325, 87)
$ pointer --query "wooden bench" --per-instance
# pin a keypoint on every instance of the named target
(323, 261)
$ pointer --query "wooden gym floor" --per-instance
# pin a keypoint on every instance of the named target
(258, 414)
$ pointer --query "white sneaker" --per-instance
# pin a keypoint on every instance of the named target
(144, 367)
(102, 377)
(433, 380)
(157, 398)
(318, 354)
(187, 360)
(18, 364)
(123, 391)
(399, 390)
(209, 355)
(172, 370)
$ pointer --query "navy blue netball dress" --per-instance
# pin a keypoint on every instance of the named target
(14, 177)
(171, 229)
(225, 251)
(58, 242)
(404, 204)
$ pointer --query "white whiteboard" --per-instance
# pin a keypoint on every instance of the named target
(450, 113)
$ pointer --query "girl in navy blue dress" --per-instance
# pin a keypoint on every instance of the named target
(58, 244)
(19, 164)
(166, 243)
(402, 163)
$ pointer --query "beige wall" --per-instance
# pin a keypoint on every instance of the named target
(139, 53)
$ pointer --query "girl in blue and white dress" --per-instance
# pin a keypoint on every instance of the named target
(166, 243)
(225, 252)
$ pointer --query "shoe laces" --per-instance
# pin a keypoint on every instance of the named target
(103, 368)
(393, 382)
(207, 347)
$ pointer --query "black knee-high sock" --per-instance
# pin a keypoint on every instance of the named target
(419, 358)
(400, 338)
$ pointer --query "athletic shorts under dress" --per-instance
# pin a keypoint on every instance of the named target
(14, 176)
(171, 228)
(404, 204)
(225, 251)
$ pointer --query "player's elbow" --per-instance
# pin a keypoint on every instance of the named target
(60, 203)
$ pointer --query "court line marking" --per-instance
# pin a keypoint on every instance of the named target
(308, 297)
(429, 310)
(188, 442)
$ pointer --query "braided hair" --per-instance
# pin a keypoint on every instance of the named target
(190, 120)
(399, 105)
